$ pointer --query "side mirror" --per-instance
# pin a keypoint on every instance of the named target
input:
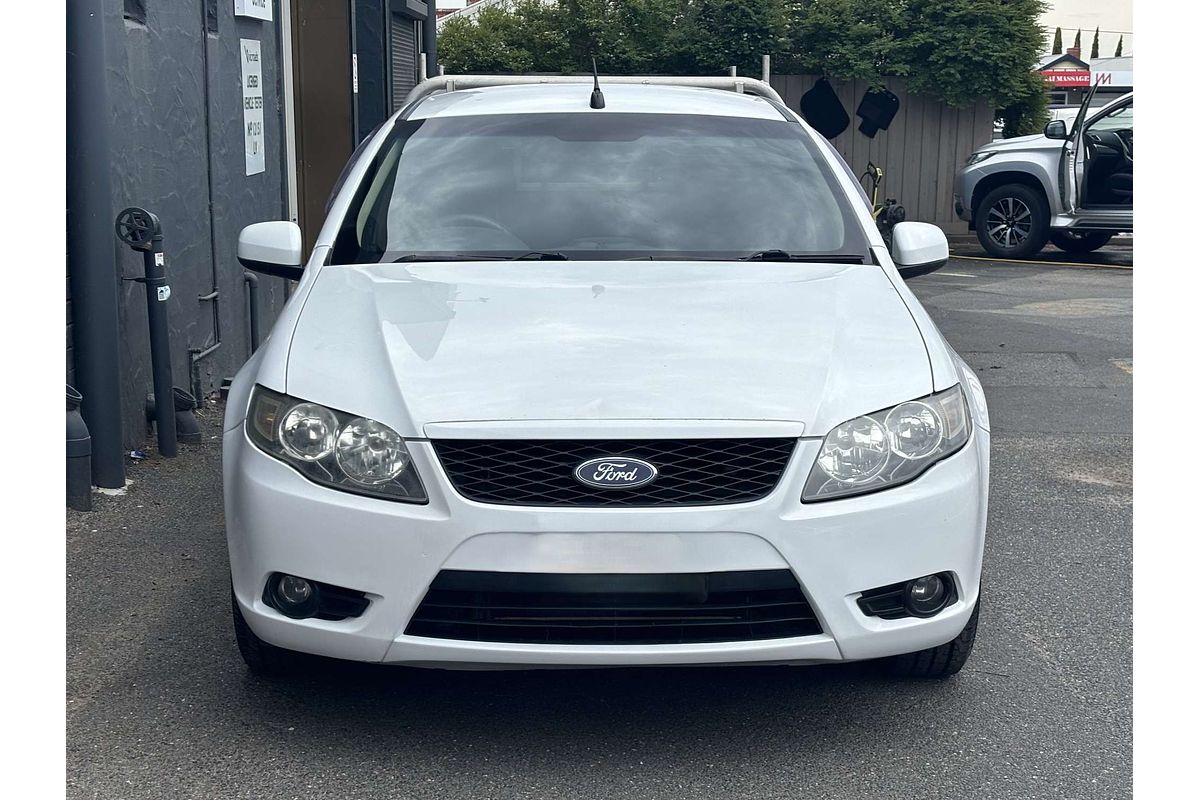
(272, 248)
(918, 248)
(1055, 129)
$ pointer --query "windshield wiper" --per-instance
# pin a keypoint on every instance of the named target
(533, 255)
(811, 258)
(439, 257)
(540, 255)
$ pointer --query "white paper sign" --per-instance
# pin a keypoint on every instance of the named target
(252, 106)
(259, 9)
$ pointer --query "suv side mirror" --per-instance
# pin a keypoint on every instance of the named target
(272, 248)
(1055, 129)
(918, 248)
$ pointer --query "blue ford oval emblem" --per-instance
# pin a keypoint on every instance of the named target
(615, 472)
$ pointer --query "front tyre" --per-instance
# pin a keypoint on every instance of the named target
(1013, 221)
(263, 659)
(1081, 242)
(941, 661)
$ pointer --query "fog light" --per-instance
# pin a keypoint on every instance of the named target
(294, 597)
(924, 597)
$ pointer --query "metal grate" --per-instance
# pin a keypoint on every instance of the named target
(528, 608)
(691, 472)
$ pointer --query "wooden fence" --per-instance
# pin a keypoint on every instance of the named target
(919, 152)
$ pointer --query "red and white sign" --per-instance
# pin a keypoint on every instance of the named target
(1067, 78)
(1118, 78)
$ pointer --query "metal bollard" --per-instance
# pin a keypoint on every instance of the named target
(140, 229)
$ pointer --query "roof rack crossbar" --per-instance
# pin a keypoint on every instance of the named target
(450, 83)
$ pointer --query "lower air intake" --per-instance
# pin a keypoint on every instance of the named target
(682, 608)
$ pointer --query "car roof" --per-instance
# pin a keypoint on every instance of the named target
(574, 97)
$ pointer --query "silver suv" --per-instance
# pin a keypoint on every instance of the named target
(1070, 187)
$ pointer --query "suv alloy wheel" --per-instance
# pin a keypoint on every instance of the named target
(1013, 222)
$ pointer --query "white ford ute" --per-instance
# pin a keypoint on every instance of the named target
(579, 377)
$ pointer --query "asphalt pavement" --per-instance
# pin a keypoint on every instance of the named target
(159, 704)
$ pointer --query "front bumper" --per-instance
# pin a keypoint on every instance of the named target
(964, 188)
(277, 521)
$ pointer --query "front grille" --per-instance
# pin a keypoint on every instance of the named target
(691, 472)
(540, 608)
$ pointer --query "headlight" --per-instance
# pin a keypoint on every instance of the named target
(308, 432)
(334, 449)
(371, 453)
(889, 447)
(983, 155)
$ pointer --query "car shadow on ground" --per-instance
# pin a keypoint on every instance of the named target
(1109, 256)
(698, 702)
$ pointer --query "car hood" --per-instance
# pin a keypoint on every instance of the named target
(1033, 142)
(606, 341)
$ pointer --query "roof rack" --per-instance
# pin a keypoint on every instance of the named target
(450, 83)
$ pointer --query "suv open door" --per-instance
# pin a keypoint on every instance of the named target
(1068, 186)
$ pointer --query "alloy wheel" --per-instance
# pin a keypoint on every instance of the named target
(1009, 222)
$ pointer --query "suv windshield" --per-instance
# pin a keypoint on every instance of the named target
(595, 186)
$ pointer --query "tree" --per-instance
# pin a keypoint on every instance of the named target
(963, 50)
(1077, 45)
(526, 37)
(1096, 43)
(850, 39)
(1056, 49)
(1120, 47)
(956, 50)
(713, 35)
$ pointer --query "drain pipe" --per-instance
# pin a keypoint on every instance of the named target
(79, 455)
(196, 354)
(89, 248)
(186, 424)
(429, 37)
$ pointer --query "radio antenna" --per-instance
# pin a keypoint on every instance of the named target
(597, 95)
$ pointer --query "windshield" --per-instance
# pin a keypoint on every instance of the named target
(594, 186)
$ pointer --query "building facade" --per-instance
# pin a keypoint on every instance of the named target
(215, 114)
(1069, 78)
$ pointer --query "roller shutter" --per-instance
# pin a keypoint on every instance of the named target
(404, 58)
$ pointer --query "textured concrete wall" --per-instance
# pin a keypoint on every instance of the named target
(178, 150)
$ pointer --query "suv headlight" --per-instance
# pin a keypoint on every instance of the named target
(975, 158)
(333, 448)
(889, 447)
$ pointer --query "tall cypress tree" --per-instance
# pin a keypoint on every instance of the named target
(1120, 47)
(1078, 36)
(1056, 49)
(1096, 43)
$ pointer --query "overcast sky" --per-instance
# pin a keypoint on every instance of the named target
(1115, 17)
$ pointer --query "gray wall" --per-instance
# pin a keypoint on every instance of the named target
(919, 152)
(178, 150)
